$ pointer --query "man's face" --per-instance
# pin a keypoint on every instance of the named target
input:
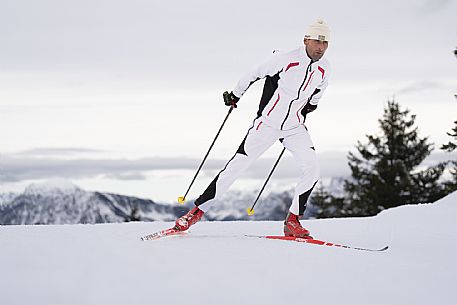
(316, 48)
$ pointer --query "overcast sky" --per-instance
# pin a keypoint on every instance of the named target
(96, 91)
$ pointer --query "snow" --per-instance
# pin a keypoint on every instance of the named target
(217, 264)
(57, 184)
(6, 198)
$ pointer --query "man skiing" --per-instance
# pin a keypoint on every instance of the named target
(294, 83)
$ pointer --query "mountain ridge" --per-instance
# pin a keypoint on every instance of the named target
(61, 202)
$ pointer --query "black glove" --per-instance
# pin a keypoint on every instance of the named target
(308, 108)
(230, 99)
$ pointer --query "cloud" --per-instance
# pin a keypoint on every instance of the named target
(19, 168)
(26, 166)
(432, 6)
(67, 151)
(127, 176)
(23, 167)
(423, 86)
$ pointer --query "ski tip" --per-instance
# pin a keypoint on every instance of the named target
(384, 249)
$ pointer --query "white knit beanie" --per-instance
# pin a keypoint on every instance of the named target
(318, 31)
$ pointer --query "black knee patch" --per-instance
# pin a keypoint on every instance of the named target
(209, 193)
(303, 200)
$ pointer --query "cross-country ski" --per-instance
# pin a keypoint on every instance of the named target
(173, 232)
(163, 233)
(316, 242)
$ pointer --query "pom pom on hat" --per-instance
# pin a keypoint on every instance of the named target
(318, 31)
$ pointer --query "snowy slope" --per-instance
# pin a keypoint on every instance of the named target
(217, 264)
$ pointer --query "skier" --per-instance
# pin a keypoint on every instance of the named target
(294, 84)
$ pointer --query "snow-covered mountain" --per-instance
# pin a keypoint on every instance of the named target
(61, 202)
(6, 198)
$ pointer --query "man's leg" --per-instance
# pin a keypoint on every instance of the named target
(302, 149)
(258, 139)
(300, 145)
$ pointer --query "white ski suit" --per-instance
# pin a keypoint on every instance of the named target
(293, 86)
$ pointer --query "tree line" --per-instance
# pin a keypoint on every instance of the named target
(386, 170)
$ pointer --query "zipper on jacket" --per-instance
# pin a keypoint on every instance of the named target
(298, 95)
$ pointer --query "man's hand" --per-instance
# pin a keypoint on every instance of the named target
(308, 108)
(230, 99)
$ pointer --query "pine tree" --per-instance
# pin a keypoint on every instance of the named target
(451, 185)
(325, 205)
(385, 174)
(450, 147)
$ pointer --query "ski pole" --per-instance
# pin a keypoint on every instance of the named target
(182, 199)
(251, 209)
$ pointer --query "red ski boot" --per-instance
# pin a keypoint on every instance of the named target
(184, 222)
(292, 227)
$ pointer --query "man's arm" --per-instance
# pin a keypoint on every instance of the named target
(271, 67)
(317, 94)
